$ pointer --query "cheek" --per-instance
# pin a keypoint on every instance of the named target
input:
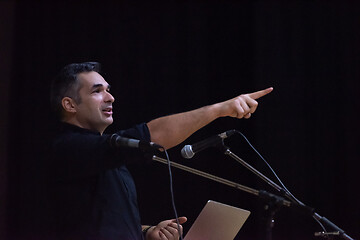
(93, 104)
(90, 109)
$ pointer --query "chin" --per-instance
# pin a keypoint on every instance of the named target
(109, 122)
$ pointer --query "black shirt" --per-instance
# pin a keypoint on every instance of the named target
(93, 193)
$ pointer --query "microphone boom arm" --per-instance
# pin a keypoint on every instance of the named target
(257, 173)
(261, 193)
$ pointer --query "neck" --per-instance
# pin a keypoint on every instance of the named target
(76, 123)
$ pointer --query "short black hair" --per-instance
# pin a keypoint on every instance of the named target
(66, 84)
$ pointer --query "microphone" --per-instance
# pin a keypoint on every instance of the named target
(188, 151)
(118, 141)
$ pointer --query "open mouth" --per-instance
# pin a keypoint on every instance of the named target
(108, 110)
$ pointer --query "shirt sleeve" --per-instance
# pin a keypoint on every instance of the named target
(79, 154)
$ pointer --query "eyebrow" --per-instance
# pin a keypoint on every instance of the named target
(100, 85)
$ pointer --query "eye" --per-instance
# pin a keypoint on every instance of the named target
(96, 91)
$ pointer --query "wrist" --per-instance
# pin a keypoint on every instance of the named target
(145, 230)
(216, 111)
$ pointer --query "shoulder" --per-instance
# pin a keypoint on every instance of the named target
(139, 131)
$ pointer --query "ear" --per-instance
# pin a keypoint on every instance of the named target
(68, 104)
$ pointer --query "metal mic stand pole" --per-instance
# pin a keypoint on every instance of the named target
(298, 204)
(208, 176)
(272, 206)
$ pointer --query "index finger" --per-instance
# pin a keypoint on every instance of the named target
(261, 93)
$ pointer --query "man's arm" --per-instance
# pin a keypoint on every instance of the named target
(171, 130)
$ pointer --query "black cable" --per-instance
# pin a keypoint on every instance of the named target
(172, 194)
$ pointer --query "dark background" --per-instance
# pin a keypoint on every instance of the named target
(163, 57)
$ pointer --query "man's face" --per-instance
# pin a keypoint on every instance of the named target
(94, 112)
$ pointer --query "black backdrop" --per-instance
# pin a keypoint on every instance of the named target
(163, 57)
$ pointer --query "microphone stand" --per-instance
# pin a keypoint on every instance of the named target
(276, 201)
(294, 202)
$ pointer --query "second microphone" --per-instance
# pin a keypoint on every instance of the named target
(188, 151)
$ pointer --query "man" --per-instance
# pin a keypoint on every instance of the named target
(93, 192)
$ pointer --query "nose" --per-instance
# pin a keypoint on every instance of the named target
(109, 97)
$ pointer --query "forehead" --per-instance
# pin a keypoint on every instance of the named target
(89, 79)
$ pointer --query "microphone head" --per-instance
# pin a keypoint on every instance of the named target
(228, 133)
(113, 139)
(187, 152)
